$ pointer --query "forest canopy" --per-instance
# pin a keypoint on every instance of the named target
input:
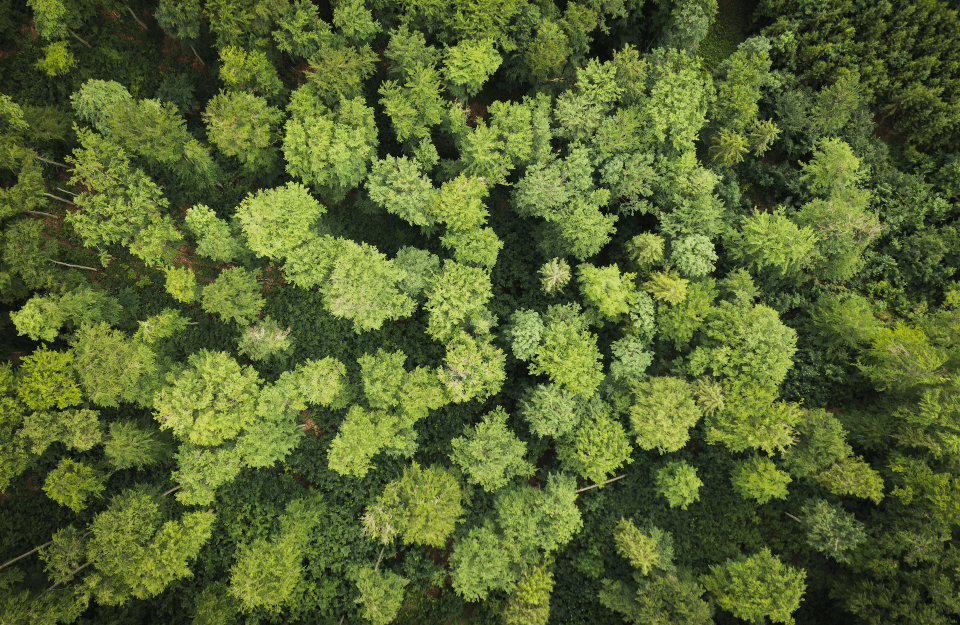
(507, 311)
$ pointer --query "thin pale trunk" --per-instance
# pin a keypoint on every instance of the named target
(379, 558)
(72, 573)
(57, 262)
(9, 562)
(67, 192)
(613, 479)
(198, 56)
(79, 39)
(133, 15)
(42, 214)
(172, 490)
(793, 517)
(40, 158)
(57, 197)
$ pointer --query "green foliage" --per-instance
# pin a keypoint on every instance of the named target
(249, 71)
(630, 359)
(568, 355)
(597, 447)
(772, 240)
(751, 417)
(467, 65)
(678, 482)
(265, 340)
(756, 588)
(838, 323)
(180, 19)
(416, 106)
(693, 256)
(399, 185)
(738, 89)
(244, 126)
(678, 99)
(822, 442)
(423, 507)
(751, 344)
(852, 476)
(758, 478)
(658, 600)
(354, 21)
(328, 149)
(337, 73)
(483, 561)
(662, 413)
(46, 379)
(524, 332)
(845, 230)
(902, 358)
(539, 519)
(94, 100)
(113, 368)
(489, 453)
(831, 529)
(266, 571)
(43, 316)
(640, 550)
(58, 59)
(210, 401)
(530, 602)
(77, 429)
(479, 246)
(381, 595)
(234, 295)
(277, 221)
(833, 168)
(667, 287)
(181, 284)
(550, 410)
(554, 275)
(728, 147)
(129, 445)
(72, 483)
(680, 322)
(454, 296)
(606, 289)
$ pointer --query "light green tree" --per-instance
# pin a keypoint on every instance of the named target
(72, 483)
(489, 453)
(234, 295)
(597, 447)
(467, 66)
(568, 354)
(758, 478)
(756, 588)
(677, 481)
(662, 413)
(381, 595)
(244, 126)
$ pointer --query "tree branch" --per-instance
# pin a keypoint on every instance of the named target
(172, 490)
(9, 562)
(613, 479)
(40, 158)
(72, 573)
(133, 15)
(793, 517)
(379, 558)
(42, 214)
(79, 39)
(56, 197)
(57, 262)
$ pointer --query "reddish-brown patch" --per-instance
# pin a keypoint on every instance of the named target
(114, 15)
(127, 37)
(29, 32)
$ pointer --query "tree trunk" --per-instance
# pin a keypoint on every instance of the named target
(40, 158)
(69, 265)
(57, 197)
(79, 39)
(134, 16)
(793, 517)
(613, 479)
(42, 214)
(172, 490)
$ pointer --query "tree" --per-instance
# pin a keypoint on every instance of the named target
(364, 287)
(454, 296)
(831, 529)
(693, 256)
(597, 447)
(658, 600)
(903, 358)
(424, 506)
(750, 344)
(265, 340)
(277, 221)
(667, 287)
(479, 246)
(740, 78)
(238, 22)
(489, 453)
(361, 436)
(43, 316)
(606, 289)
(46, 379)
(482, 562)
(249, 71)
(539, 519)
(72, 483)
(758, 478)
(550, 410)
(329, 149)
(113, 368)
(640, 550)
(678, 482)
(524, 332)
(679, 96)
(122, 206)
(210, 401)
(266, 571)
(680, 322)
(467, 66)
(728, 147)
(234, 295)
(399, 186)
(756, 588)
(530, 602)
(630, 359)
(381, 595)
(337, 72)
(415, 105)
(833, 168)
(93, 101)
(568, 354)
(244, 126)
(662, 413)
(822, 442)
(645, 249)
(78, 429)
(772, 240)
(852, 476)
(752, 417)
(129, 445)
(554, 275)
